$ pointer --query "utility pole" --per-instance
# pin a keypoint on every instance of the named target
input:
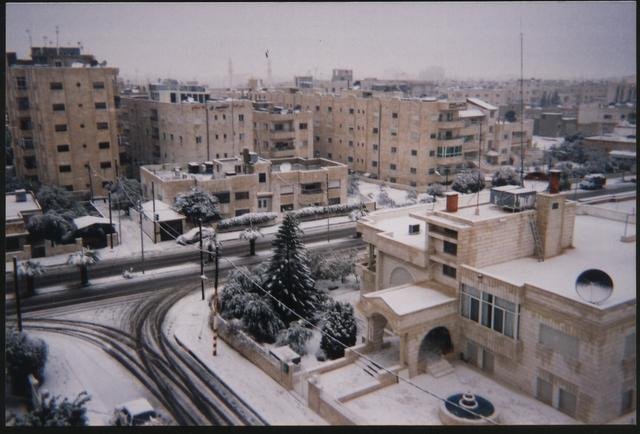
(141, 235)
(479, 160)
(202, 276)
(328, 233)
(521, 110)
(153, 202)
(90, 179)
(16, 288)
(215, 298)
(110, 221)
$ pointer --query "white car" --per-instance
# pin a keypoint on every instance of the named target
(136, 412)
(193, 235)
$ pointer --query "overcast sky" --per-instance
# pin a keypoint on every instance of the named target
(468, 40)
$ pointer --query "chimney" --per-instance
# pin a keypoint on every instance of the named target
(452, 201)
(21, 195)
(554, 181)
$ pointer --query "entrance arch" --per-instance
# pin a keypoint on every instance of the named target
(400, 276)
(434, 345)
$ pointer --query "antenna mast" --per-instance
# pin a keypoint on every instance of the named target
(230, 74)
(57, 41)
(523, 135)
(30, 41)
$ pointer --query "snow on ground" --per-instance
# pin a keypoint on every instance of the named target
(546, 142)
(625, 206)
(188, 320)
(73, 365)
(371, 190)
(404, 404)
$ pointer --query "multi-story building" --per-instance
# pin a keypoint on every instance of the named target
(279, 132)
(62, 116)
(600, 118)
(252, 184)
(20, 206)
(173, 91)
(552, 124)
(622, 92)
(519, 287)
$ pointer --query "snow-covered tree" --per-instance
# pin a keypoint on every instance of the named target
(125, 193)
(54, 198)
(353, 187)
(357, 214)
(83, 259)
(50, 226)
(198, 204)
(30, 270)
(251, 234)
(24, 355)
(296, 336)
(412, 195)
(289, 276)
(253, 218)
(505, 176)
(470, 181)
(383, 198)
(435, 189)
(50, 412)
(231, 301)
(260, 320)
(339, 324)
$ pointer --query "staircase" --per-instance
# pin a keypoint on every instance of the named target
(369, 367)
(536, 238)
(439, 367)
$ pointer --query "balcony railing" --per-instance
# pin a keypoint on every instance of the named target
(311, 191)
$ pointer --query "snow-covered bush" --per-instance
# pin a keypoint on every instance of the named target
(54, 198)
(24, 355)
(353, 187)
(51, 226)
(254, 218)
(505, 176)
(435, 189)
(83, 259)
(470, 181)
(340, 324)
(321, 211)
(260, 320)
(231, 301)
(50, 412)
(384, 199)
(296, 336)
(198, 204)
(412, 195)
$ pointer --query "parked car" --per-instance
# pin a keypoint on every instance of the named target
(136, 412)
(193, 235)
(594, 181)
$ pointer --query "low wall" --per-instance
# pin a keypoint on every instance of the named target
(610, 214)
(21, 255)
(256, 354)
(329, 408)
(61, 249)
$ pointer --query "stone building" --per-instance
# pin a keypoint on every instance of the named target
(597, 118)
(61, 106)
(20, 206)
(260, 186)
(498, 286)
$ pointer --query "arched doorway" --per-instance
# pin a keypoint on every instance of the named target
(400, 276)
(434, 345)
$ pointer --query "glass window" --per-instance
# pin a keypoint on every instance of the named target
(567, 402)
(544, 391)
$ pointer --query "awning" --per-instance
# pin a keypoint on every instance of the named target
(89, 220)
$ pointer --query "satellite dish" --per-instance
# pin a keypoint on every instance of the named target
(285, 167)
(594, 286)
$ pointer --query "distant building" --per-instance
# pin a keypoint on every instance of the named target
(597, 118)
(556, 125)
(342, 75)
(609, 142)
(174, 92)
(259, 185)
(62, 116)
(303, 82)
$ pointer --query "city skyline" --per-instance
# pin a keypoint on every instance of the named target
(561, 40)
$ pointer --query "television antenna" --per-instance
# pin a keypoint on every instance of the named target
(594, 286)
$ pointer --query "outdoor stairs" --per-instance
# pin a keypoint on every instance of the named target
(439, 367)
(536, 238)
(369, 367)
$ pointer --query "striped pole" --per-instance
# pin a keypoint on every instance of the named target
(215, 303)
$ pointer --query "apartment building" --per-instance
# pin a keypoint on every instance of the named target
(172, 91)
(20, 206)
(61, 106)
(251, 184)
(554, 124)
(500, 286)
(598, 118)
(623, 91)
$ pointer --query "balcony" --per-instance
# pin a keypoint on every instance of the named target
(450, 125)
(282, 134)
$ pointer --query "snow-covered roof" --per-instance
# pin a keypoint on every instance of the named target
(164, 211)
(88, 220)
(606, 138)
(491, 154)
(13, 209)
(481, 103)
(470, 113)
(412, 297)
(596, 244)
(631, 154)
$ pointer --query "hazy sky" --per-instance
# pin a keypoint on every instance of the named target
(469, 40)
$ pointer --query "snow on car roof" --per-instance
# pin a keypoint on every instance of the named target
(137, 406)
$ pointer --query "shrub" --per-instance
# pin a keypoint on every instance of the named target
(321, 211)
(52, 413)
(505, 176)
(260, 320)
(340, 324)
(435, 189)
(296, 336)
(470, 181)
(24, 355)
(256, 218)
(198, 204)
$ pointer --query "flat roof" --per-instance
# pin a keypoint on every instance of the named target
(398, 226)
(412, 297)
(486, 211)
(596, 244)
(14, 209)
(164, 211)
(611, 139)
(470, 113)
(481, 103)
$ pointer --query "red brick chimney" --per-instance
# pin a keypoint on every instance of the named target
(554, 181)
(452, 201)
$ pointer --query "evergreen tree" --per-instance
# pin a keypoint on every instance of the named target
(470, 181)
(289, 276)
(51, 226)
(125, 193)
(505, 176)
(52, 413)
(383, 198)
(260, 320)
(340, 324)
(296, 336)
(54, 198)
(24, 355)
(198, 204)
(412, 195)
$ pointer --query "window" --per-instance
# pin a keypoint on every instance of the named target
(23, 103)
(544, 391)
(262, 203)
(432, 153)
(375, 147)
(61, 128)
(432, 171)
(433, 135)
(103, 145)
(351, 143)
(450, 248)
(375, 131)
(30, 162)
(311, 188)
(448, 271)
(224, 136)
(329, 140)
(63, 148)
(394, 149)
(55, 86)
(262, 177)
(288, 207)
(105, 164)
(392, 166)
(317, 108)
(413, 170)
(350, 111)
(334, 201)
(329, 156)
(58, 107)
(394, 115)
(329, 109)
(394, 132)
(559, 341)
(102, 126)
(223, 197)
(21, 83)
(25, 124)
(627, 402)
(198, 139)
(496, 313)
(374, 163)
(64, 169)
(101, 105)
(240, 118)
(98, 85)
(449, 151)
(392, 180)
(567, 402)
(414, 229)
(240, 212)
(413, 184)
(350, 159)
(414, 152)
(302, 126)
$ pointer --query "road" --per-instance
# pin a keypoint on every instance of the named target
(69, 273)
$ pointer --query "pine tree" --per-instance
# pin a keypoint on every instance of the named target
(340, 324)
(289, 276)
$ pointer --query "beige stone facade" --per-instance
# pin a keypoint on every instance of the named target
(62, 118)
(265, 186)
(502, 285)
